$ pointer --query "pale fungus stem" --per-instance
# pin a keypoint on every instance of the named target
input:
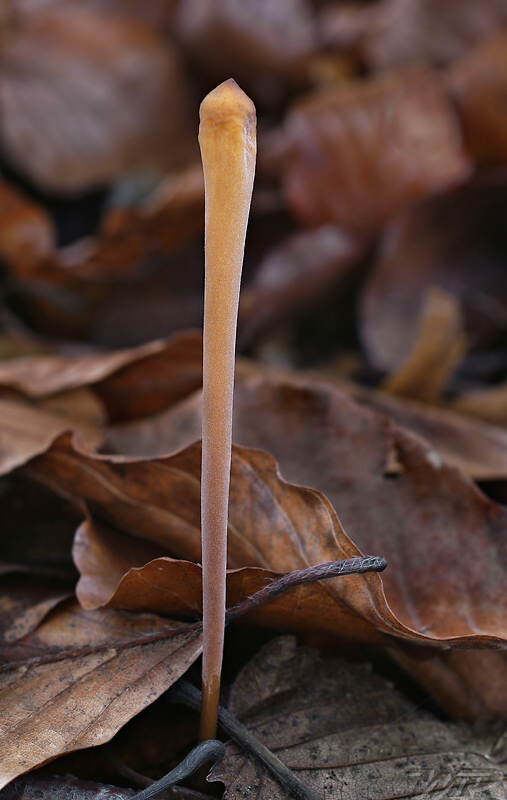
(228, 149)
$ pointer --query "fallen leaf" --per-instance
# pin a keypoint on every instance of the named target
(261, 44)
(395, 32)
(437, 531)
(130, 382)
(26, 431)
(346, 732)
(116, 572)
(454, 241)
(27, 235)
(488, 404)
(478, 82)
(358, 153)
(79, 677)
(438, 349)
(158, 500)
(476, 448)
(87, 96)
(295, 276)
(58, 788)
(25, 600)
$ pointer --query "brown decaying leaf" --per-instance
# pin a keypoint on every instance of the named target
(95, 675)
(25, 600)
(347, 733)
(436, 352)
(444, 541)
(129, 383)
(394, 32)
(260, 44)
(289, 527)
(358, 153)
(488, 404)
(68, 788)
(295, 276)
(478, 82)
(27, 234)
(476, 448)
(86, 96)
(454, 241)
(26, 431)
(116, 572)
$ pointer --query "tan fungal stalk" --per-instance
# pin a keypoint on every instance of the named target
(228, 149)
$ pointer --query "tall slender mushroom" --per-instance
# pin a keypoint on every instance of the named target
(227, 138)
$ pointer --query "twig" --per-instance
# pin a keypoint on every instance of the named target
(184, 692)
(332, 569)
(142, 781)
(210, 750)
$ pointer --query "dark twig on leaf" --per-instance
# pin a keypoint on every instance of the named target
(332, 569)
(207, 751)
(184, 692)
(142, 781)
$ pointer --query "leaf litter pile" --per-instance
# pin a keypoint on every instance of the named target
(370, 406)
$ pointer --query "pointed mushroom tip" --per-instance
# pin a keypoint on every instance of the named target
(228, 99)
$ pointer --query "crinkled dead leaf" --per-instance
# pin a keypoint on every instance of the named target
(296, 275)
(272, 525)
(454, 241)
(79, 677)
(129, 383)
(359, 152)
(26, 430)
(438, 349)
(478, 82)
(68, 788)
(87, 96)
(488, 404)
(27, 235)
(259, 43)
(442, 538)
(347, 732)
(395, 32)
(25, 600)
(476, 448)
(116, 572)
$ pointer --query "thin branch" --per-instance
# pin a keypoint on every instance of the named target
(184, 692)
(332, 569)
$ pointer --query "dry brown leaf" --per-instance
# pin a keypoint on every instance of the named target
(478, 449)
(27, 235)
(488, 404)
(437, 531)
(347, 732)
(25, 600)
(26, 431)
(86, 674)
(478, 82)
(116, 572)
(129, 383)
(395, 32)
(439, 347)
(296, 275)
(58, 788)
(258, 43)
(358, 153)
(86, 96)
(454, 241)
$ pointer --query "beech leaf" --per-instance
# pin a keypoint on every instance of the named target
(346, 732)
(79, 677)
